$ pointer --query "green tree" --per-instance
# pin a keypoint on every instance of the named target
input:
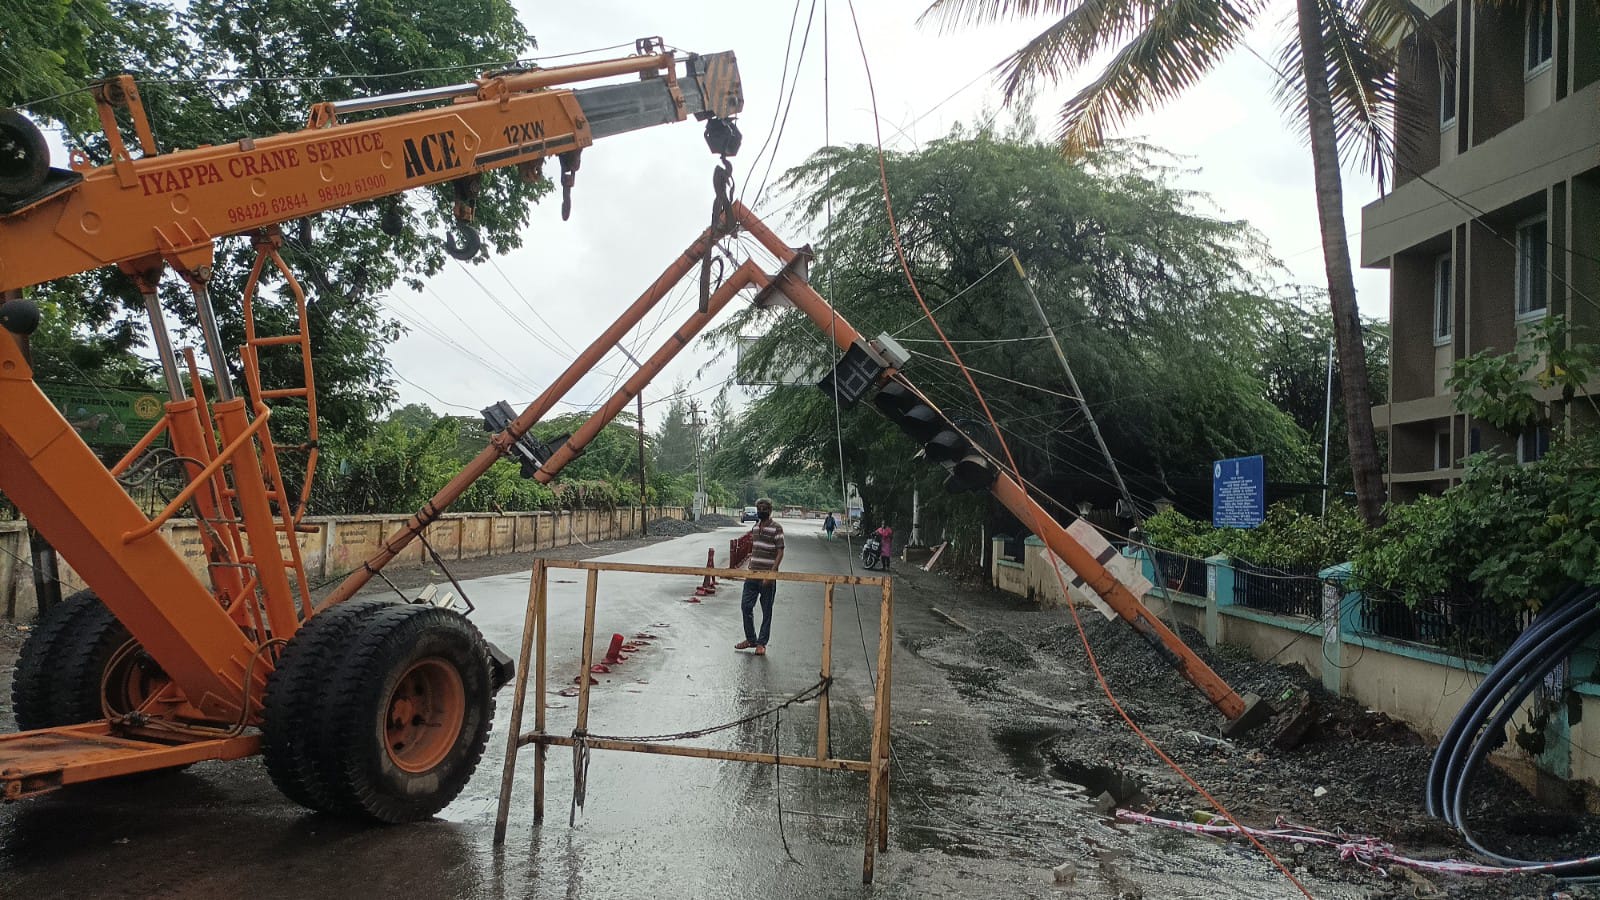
(1158, 307)
(1336, 78)
(276, 59)
(45, 56)
(674, 442)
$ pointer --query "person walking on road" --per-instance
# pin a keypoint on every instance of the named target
(829, 524)
(766, 553)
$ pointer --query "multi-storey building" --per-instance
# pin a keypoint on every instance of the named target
(1494, 220)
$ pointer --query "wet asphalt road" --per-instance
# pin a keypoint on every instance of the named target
(652, 826)
(965, 823)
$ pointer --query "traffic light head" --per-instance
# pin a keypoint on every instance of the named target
(941, 441)
(906, 410)
(972, 472)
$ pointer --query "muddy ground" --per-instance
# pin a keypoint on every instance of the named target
(1026, 668)
(1003, 741)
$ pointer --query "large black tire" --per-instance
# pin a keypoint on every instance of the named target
(24, 156)
(295, 690)
(407, 715)
(62, 669)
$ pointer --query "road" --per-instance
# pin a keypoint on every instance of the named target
(968, 817)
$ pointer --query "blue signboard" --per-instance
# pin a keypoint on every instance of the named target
(1238, 492)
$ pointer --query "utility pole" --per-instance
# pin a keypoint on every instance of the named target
(1327, 428)
(1072, 382)
(643, 481)
(696, 424)
(916, 515)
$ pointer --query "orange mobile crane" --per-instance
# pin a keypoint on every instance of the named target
(366, 708)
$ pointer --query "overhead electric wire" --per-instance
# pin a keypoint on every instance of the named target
(783, 80)
(954, 297)
(783, 124)
(495, 263)
(894, 232)
(957, 364)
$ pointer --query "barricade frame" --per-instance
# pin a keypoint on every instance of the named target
(535, 656)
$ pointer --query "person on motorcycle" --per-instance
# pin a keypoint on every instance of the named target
(885, 536)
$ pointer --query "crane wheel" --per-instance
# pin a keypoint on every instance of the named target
(24, 156)
(398, 716)
(78, 663)
(289, 709)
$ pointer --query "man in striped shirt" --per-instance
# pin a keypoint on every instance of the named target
(766, 552)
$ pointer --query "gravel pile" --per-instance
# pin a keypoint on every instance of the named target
(717, 520)
(995, 647)
(670, 528)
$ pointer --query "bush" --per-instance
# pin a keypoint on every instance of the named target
(1286, 538)
(1513, 534)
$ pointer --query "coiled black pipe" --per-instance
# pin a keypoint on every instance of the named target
(1483, 698)
(1480, 726)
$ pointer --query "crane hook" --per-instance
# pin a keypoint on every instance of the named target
(469, 245)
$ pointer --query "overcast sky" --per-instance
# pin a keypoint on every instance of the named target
(642, 197)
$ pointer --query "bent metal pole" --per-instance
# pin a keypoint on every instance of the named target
(502, 442)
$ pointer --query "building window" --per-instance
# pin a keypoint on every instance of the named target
(1474, 440)
(1541, 34)
(1446, 48)
(1441, 450)
(1533, 444)
(1443, 299)
(1447, 94)
(1533, 263)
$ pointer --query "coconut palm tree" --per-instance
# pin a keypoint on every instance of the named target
(1335, 75)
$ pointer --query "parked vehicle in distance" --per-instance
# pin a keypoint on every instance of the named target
(750, 515)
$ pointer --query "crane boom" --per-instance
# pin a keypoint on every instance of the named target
(172, 206)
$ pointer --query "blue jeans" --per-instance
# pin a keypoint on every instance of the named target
(765, 591)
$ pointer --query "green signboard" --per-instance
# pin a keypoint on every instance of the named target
(105, 416)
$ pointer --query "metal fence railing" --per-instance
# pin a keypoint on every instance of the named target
(1459, 622)
(1180, 573)
(1014, 548)
(1285, 590)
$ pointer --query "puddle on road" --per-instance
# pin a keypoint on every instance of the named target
(1124, 789)
(1024, 747)
(1028, 750)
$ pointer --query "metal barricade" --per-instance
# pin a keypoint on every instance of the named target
(535, 656)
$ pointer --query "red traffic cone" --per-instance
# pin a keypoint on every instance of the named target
(614, 654)
(708, 585)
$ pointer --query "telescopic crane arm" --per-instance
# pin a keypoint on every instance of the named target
(140, 211)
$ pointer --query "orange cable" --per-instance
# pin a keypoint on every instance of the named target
(1083, 635)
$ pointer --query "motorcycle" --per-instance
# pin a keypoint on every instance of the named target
(872, 554)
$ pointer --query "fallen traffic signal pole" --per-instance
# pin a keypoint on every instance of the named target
(866, 368)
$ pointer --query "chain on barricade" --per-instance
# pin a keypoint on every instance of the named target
(581, 739)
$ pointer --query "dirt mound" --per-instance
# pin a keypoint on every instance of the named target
(665, 527)
(995, 647)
